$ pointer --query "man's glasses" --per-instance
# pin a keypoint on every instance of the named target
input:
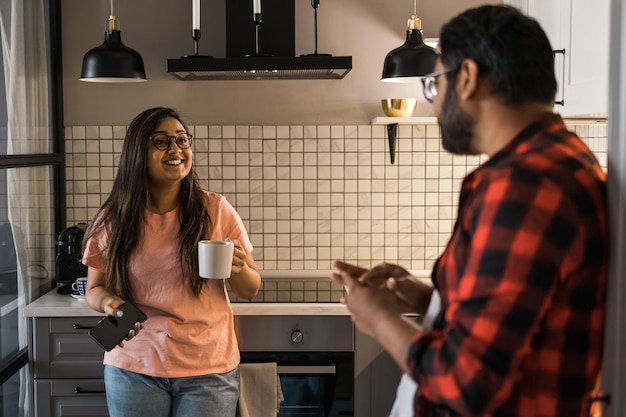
(162, 142)
(429, 81)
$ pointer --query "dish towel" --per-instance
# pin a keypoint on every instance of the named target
(405, 393)
(260, 392)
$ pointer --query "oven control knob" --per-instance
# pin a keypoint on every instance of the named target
(297, 336)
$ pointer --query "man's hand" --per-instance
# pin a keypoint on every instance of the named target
(412, 294)
(367, 303)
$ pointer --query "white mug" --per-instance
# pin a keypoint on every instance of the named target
(80, 285)
(215, 258)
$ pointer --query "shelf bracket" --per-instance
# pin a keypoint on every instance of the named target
(392, 136)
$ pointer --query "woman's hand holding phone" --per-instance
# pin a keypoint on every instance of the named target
(125, 322)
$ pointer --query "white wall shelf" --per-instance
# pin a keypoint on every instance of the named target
(404, 120)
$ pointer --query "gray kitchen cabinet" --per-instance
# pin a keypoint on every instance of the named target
(376, 378)
(67, 368)
(58, 397)
(579, 31)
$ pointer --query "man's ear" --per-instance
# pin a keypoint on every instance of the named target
(468, 79)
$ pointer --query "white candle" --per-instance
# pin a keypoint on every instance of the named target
(196, 14)
(256, 6)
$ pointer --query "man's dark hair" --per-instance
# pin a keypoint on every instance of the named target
(511, 50)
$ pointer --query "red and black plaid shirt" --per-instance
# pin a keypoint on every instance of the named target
(522, 283)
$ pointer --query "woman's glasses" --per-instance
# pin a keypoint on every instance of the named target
(429, 81)
(162, 142)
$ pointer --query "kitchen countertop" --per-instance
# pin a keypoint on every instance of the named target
(53, 304)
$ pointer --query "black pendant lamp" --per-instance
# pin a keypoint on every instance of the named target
(113, 62)
(414, 59)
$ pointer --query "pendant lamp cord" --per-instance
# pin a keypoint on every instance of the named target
(111, 21)
(315, 4)
(414, 7)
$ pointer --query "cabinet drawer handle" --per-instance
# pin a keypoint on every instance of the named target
(80, 327)
(561, 102)
(291, 370)
(77, 390)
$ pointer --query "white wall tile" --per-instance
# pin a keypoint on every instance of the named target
(311, 194)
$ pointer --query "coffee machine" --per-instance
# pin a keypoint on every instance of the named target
(69, 257)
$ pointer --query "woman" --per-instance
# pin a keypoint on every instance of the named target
(142, 247)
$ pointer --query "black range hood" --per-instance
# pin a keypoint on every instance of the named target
(261, 48)
(261, 68)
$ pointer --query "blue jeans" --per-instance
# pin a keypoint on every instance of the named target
(135, 395)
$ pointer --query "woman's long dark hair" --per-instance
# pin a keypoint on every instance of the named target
(123, 211)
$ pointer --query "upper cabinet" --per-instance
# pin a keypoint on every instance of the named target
(579, 33)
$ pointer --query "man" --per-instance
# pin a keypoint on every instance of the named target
(522, 280)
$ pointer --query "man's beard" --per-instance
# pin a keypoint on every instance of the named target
(456, 126)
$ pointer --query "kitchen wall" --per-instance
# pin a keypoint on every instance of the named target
(310, 194)
(160, 29)
(299, 160)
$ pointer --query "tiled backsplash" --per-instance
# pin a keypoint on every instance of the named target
(312, 194)
(296, 290)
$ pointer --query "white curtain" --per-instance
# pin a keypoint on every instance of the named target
(25, 61)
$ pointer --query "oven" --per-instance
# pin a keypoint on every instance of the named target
(314, 357)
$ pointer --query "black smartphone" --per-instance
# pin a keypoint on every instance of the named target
(111, 331)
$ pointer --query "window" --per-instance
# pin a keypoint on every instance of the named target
(31, 179)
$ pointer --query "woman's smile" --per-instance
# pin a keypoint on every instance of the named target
(171, 164)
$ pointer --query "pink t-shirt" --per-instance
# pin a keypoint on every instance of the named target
(184, 335)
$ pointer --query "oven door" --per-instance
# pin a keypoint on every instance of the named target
(313, 384)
